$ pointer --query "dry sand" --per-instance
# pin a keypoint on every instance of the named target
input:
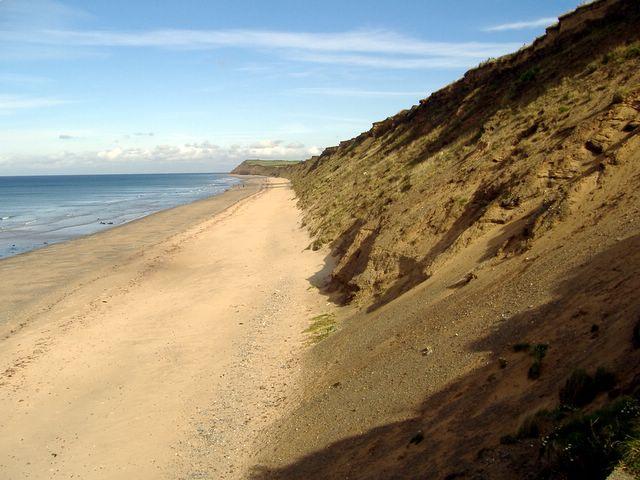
(159, 349)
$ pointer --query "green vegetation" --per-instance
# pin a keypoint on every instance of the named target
(488, 61)
(272, 163)
(461, 201)
(621, 54)
(631, 457)
(633, 50)
(528, 76)
(321, 327)
(585, 446)
(592, 67)
(563, 109)
(590, 446)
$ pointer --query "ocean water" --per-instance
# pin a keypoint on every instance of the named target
(36, 211)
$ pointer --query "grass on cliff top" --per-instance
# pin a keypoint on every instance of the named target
(272, 163)
(321, 327)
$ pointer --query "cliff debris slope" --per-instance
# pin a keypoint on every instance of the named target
(268, 168)
(487, 247)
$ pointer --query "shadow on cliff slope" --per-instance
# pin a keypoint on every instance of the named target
(594, 310)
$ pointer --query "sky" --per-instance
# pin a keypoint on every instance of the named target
(148, 86)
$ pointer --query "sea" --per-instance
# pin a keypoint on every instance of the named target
(36, 211)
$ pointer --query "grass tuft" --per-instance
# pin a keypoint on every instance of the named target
(321, 327)
(631, 457)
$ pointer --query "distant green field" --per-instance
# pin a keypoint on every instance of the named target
(272, 163)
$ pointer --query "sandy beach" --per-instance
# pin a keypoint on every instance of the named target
(159, 349)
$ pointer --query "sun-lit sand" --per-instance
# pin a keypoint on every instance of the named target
(158, 349)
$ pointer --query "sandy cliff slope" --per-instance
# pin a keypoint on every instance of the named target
(487, 246)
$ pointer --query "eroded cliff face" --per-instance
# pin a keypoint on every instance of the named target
(488, 244)
(511, 143)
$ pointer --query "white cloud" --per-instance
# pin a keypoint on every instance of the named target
(11, 103)
(365, 41)
(202, 155)
(368, 48)
(346, 92)
(540, 22)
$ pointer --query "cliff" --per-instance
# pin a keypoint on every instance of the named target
(268, 168)
(486, 242)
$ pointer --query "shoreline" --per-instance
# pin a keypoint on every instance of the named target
(163, 357)
(252, 180)
(164, 223)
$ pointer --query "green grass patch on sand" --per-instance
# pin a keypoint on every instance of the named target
(272, 163)
(321, 327)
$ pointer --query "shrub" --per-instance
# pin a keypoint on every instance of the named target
(581, 388)
(563, 109)
(588, 447)
(539, 351)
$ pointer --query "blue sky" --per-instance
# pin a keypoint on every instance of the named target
(156, 86)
